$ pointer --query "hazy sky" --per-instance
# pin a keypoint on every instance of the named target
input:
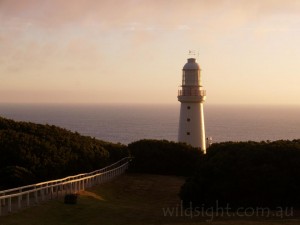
(132, 51)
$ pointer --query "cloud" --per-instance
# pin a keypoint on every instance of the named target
(106, 20)
(112, 14)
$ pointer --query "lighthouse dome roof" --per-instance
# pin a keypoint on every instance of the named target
(191, 65)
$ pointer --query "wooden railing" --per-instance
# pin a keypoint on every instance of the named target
(25, 196)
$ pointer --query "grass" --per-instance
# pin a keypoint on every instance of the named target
(130, 199)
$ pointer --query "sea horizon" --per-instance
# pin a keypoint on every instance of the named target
(128, 122)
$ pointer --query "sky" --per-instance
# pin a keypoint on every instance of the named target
(133, 51)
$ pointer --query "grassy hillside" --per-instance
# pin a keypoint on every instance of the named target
(33, 152)
(130, 199)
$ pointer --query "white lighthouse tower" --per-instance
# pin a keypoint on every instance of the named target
(192, 96)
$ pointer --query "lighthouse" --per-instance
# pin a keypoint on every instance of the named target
(192, 97)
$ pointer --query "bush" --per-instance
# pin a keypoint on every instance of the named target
(12, 176)
(163, 157)
(247, 174)
(48, 152)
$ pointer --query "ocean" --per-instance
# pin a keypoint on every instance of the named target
(125, 123)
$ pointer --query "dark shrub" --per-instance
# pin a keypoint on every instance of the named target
(12, 176)
(49, 152)
(247, 174)
(164, 157)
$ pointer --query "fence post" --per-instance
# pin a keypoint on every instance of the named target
(3, 200)
(56, 189)
(42, 191)
(27, 199)
(51, 192)
(36, 196)
(75, 186)
(19, 199)
(97, 179)
(9, 204)
(61, 189)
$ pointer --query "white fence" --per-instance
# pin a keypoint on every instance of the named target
(21, 197)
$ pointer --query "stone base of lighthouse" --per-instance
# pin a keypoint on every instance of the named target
(191, 124)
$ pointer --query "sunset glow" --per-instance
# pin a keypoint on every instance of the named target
(132, 51)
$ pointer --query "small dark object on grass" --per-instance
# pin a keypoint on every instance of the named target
(71, 198)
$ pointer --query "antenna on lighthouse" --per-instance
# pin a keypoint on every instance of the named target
(194, 53)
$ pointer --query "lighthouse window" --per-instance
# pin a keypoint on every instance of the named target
(188, 119)
(187, 133)
(189, 107)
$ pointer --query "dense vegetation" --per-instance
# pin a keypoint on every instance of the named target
(164, 157)
(241, 174)
(246, 174)
(31, 152)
